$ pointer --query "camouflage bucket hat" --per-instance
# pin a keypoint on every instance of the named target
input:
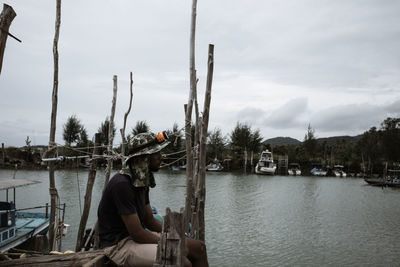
(146, 144)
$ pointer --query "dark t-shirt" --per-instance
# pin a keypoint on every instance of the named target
(119, 197)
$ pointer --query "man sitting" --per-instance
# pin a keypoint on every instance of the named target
(124, 211)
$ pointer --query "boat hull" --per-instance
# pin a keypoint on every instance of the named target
(265, 170)
(28, 225)
(294, 172)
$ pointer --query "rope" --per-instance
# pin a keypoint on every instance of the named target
(169, 164)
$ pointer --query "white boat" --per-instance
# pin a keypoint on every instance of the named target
(266, 163)
(294, 169)
(317, 170)
(338, 171)
(214, 167)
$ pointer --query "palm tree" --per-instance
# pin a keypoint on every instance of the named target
(141, 127)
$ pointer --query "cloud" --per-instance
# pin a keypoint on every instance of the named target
(289, 115)
(352, 118)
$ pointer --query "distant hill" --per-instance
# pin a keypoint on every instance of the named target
(282, 141)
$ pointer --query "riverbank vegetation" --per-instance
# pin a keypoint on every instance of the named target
(369, 152)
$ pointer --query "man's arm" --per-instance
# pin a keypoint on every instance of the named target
(150, 222)
(136, 231)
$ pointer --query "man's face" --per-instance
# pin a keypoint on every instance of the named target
(155, 161)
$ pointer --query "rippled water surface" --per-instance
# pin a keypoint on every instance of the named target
(256, 220)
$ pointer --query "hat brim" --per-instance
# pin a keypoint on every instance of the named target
(149, 150)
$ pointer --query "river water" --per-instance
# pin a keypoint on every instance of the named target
(256, 220)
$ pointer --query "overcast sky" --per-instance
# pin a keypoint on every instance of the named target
(279, 65)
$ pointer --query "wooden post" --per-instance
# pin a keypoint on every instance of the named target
(123, 129)
(170, 250)
(53, 190)
(88, 196)
(201, 190)
(245, 160)
(188, 119)
(109, 150)
(6, 17)
(4, 155)
(111, 132)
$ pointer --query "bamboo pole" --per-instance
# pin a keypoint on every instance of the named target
(109, 150)
(6, 17)
(201, 190)
(88, 195)
(52, 189)
(123, 129)
(188, 119)
(111, 132)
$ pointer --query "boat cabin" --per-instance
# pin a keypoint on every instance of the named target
(17, 227)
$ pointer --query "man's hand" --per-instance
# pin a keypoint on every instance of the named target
(136, 231)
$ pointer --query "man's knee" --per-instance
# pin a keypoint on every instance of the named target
(196, 247)
(187, 262)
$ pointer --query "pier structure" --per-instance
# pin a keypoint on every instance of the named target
(283, 164)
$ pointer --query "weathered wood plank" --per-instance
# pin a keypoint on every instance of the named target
(170, 251)
(73, 259)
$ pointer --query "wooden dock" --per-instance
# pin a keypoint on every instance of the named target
(95, 258)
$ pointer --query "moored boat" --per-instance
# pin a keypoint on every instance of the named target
(265, 164)
(214, 167)
(318, 170)
(16, 227)
(294, 169)
(338, 171)
(392, 179)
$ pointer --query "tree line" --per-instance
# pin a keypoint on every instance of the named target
(371, 151)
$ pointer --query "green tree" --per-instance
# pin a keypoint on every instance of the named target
(240, 137)
(390, 134)
(369, 148)
(72, 128)
(83, 138)
(103, 130)
(310, 142)
(215, 144)
(255, 141)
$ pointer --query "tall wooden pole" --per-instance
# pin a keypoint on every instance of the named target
(109, 150)
(201, 190)
(111, 132)
(188, 119)
(6, 17)
(88, 195)
(4, 154)
(125, 119)
(53, 190)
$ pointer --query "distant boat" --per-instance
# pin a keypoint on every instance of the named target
(318, 170)
(17, 227)
(294, 169)
(214, 167)
(175, 168)
(338, 171)
(266, 163)
(392, 179)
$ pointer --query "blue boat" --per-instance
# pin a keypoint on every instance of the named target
(16, 227)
